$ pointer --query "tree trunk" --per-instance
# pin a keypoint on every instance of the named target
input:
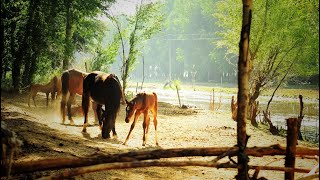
(243, 90)
(68, 50)
(234, 109)
(30, 64)
(300, 118)
(3, 16)
(254, 112)
(291, 146)
(22, 51)
(178, 96)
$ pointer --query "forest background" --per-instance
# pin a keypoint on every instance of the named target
(185, 40)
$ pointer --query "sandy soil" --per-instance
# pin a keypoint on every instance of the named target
(44, 136)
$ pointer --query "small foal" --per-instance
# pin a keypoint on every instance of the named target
(142, 103)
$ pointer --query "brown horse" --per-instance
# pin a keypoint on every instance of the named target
(104, 89)
(142, 103)
(72, 81)
(51, 87)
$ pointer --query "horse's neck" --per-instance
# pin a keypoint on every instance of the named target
(140, 101)
(47, 87)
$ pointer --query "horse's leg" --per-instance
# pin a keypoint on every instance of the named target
(63, 107)
(97, 115)
(132, 126)
(114, 131)
(33, 98)
(155, 122)
(70, 100)
(29, 99)
(85, 108)
(145, 125)
(47, 95)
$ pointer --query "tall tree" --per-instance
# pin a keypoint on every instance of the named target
(146, 22)
(35, 35)
(279, 30)
(243, 89)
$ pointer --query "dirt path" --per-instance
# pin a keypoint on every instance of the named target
(44, 136)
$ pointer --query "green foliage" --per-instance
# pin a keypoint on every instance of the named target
(284, 26)
(106, 57)
(140, 27)
(280, 35)
(35, 35)
(129, 95)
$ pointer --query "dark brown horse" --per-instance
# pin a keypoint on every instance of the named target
(142, 103)
(72, 81)
(104, 89)
(51, 87)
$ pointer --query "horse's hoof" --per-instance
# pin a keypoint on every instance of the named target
(84, 130)
(143, 144)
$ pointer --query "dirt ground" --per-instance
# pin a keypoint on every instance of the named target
(44, 136)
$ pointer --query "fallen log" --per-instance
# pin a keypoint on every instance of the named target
(138, 164)
(60, 163)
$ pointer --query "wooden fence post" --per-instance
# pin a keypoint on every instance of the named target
(213, 99)
(300, 118)
(291, 146)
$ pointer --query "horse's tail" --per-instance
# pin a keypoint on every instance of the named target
(65, 82)
(117, 96)
(123, 97)
(155, 101)
(54, 89)
(88, 82)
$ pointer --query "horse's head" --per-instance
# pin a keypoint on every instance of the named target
(103, 125)
(130, 109)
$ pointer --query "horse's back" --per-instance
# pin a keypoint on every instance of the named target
(151, 99)
(104, 88)
(72, 81)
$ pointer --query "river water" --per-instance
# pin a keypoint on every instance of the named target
(281, 108)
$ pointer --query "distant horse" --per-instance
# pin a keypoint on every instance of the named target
(72, 81)
(57, 88)
(104, 89)
(142, 103)
(51, 87)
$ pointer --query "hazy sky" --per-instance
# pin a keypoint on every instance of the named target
(126, 6)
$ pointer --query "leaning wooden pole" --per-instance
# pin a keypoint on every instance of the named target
(243, 89)
(292, 124)
(300, 117)
(220, 152)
